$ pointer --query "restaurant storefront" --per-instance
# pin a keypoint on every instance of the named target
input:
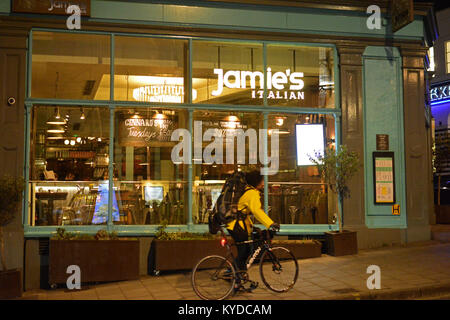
(77, 145)
(103, 106)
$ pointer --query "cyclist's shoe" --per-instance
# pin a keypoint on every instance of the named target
(237, 288)
(253, 286)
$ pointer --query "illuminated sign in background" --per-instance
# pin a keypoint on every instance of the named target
(440, 94)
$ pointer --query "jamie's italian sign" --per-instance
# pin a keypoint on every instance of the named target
(52, 7)
(285, 85)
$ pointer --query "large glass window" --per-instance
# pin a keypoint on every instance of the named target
(70, 66)
(149, 69)
(224, 142)
(300, 76)
(227, 73)
(70, 162)
(151, 187)
(296, 192)
(69, 165)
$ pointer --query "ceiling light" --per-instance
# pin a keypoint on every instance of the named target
(56, 118)
(232, 118)
(159, 116)
(55, 129)
(56, 136)
(279, 121)
(66, 142)
(72, 142)
(82, 117)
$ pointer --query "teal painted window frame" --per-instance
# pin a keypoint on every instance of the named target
(150, 230)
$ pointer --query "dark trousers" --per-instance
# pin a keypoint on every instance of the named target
(244, 250)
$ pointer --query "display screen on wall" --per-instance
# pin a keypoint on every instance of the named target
(309, 141)
(153, 193)
(384, 177)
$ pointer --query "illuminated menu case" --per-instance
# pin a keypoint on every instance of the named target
(384, 177)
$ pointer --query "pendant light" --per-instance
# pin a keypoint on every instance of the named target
(82, 117)
(56, 119)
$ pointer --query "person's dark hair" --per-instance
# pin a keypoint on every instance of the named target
(254, 178)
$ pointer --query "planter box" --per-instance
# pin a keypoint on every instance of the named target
(442, 214)
(166, 255)
(301, 249)
(341, 243)
(99, 260)
(181, 254)
(10, 284)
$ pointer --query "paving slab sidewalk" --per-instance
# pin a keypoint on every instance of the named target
(407, 272)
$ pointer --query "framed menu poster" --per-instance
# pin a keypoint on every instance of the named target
(384, 177)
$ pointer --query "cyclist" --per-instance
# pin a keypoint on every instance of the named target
(241, 228)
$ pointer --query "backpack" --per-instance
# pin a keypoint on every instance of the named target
(225, 209)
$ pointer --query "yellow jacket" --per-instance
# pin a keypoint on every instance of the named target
(250, 203)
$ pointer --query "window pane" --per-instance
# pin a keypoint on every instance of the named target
(210, 174)
(296, 193)
(70, 66)
(227, 73)
(68, 165)
(149, 69)
(300, 76)
(151, 187)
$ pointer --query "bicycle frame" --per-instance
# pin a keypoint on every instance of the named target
(262, 246)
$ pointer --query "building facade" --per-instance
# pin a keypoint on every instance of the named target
(90, 110)
(439, 96)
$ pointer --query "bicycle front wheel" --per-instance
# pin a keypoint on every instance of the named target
(213, 278)
(279, 269)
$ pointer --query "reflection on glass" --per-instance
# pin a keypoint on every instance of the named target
(227, 73)
(68, 163)
(149, 69)
(151, 187)
(70, 66)
(300, 76)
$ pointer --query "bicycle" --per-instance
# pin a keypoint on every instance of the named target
(214, 277)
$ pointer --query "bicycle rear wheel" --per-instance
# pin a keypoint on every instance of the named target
(279, 269)
(213, 278)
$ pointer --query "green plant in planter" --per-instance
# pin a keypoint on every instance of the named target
(11, 189)
(162, 234)
(62, 234)
(336, 170)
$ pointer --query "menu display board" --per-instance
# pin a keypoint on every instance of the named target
(384, 177)
(142, 132)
